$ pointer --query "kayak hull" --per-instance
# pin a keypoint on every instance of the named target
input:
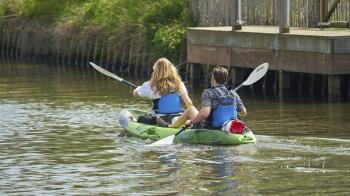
(128, 120)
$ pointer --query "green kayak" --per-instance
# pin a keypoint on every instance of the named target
(127, 120)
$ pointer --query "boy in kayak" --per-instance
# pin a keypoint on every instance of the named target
(219, 105)
(165, 89)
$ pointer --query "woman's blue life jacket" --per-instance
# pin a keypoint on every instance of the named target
(167, 104)
(225, 111)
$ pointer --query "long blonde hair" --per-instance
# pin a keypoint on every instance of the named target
(165, 78)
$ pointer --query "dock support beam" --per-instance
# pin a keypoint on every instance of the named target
(206, 74)
(348, 87)
(232, 74)
(283, 11)
(195, 70)
(237, 15)
(333, 88)
(280, 84)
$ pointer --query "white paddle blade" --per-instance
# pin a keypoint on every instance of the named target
(105, 72)
(165, 141)
(257, 74)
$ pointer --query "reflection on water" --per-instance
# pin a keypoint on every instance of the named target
(59, 134)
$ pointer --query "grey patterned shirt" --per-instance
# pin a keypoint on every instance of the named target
(210, 98)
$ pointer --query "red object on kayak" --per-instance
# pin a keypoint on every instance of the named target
(237, 127)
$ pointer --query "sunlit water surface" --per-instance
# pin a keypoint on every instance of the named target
(60, 134)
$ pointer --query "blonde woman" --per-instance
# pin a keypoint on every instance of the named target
(165, 89)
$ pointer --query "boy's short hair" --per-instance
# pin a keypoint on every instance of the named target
(220, 75)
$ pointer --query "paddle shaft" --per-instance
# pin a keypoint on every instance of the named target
(238, 87)
(129, 83)
(112, 75)
(178, 65)
(181, 130)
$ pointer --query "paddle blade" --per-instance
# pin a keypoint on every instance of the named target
(105, 72)
(257, 74)
(165, 141)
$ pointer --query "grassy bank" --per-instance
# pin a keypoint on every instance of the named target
(158, 26)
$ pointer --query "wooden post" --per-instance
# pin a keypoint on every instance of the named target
(82, 58)
(150, 63)
(323, 10)
(95, 49)
(18, 45)
(3, 43)
(280, 84)
(13, 44)
(137, 60)
(275, 81)
(8, 42)
(70, 52)
(122, 62)
(193, 74)
(195, 70)
(300, 82)
(89, 52)
(63, 61)
(10, 35)
(130, 56)
(324, 85)
(115, 56)
(77, 55)
(232, 73)
(183, 52)
(283, 15)
(333, 88)
(1, 37)
(57, 55)
(312, 84)
(237, 15)
(102, 54)
(187, 69)
(12, 41)
(143, 64)
(206, 71)
(108, 53)
(313, 13)
(23, 51)
(347, 82)
(263, 85)
(348, 14)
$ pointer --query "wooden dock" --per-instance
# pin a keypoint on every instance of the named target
(314, 51)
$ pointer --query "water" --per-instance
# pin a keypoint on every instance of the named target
(59, 134)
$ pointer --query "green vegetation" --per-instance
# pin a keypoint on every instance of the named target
(158, 25)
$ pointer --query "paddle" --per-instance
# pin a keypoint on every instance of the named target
(112, 75)
(178, 65)
(168, 140)
(256, 75)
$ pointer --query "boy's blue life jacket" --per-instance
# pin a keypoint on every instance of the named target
(225, 111)
(167, 104)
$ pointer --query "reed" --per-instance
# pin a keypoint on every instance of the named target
(156, 26)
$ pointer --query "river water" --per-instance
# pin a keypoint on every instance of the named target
(59, 134)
